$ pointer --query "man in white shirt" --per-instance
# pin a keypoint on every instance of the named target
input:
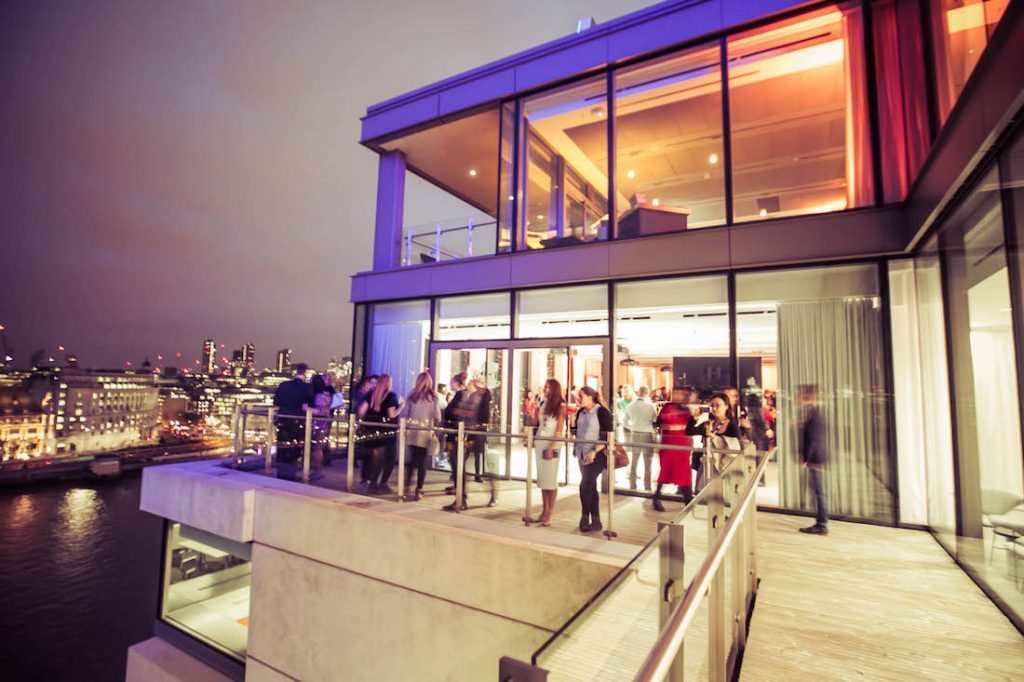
(640, 418)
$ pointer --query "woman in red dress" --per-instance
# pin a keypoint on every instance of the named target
(675, 464)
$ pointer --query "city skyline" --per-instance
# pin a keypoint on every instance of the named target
(167, 167)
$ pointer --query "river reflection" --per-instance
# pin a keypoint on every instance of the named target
(79, 566)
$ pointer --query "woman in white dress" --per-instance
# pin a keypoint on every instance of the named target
(552, 423)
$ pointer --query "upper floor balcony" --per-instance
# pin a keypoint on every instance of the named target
(677, 118)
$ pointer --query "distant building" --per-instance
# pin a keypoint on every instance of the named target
(209, 356)
(102, 410)
(284, 360)
(26, 422)
(249, 357)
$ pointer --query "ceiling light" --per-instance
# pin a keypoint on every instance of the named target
(763, 212)
(631, 174)
(598, 112)
(713, 159)
(472, 172)
(540, 217)
(656, 202)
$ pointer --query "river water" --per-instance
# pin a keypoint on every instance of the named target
(79, 572)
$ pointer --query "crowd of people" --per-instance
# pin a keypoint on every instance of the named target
(680, 417)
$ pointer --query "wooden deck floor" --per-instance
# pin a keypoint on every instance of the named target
(871, 603)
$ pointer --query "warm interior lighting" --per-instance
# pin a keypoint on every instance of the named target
(713, 159)
(597, 112)
(656, 202)
(631, 174)
(965, 18)
(763, 212)
(472, 172)
(540, 217)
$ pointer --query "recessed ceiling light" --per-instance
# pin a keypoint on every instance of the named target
(713, 159)
(656, 202)
(540, 217)
(631, 174)
(598, 112)
(763, 212)
(472, 172)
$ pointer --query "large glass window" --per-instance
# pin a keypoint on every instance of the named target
(399, 334)
(206, 588)
(985, 399)
(820, 327)
(565, 179)
(563, 312)
(669, 333)
(464, 318)
(799, 118)
(669, 172)
(454, 214)
(961, 29)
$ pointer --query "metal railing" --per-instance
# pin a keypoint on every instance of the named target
(435, 244)
(714, 460)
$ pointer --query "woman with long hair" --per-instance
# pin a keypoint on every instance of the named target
(552, 423)
(321, 410)
(720, 426)
(593, 423)
(422, 409)
(382, 407)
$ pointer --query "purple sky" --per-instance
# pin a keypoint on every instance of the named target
(172, 171)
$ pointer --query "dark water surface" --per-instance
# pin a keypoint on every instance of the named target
(79, 567)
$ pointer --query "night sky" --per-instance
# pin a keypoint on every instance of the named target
(172, 171)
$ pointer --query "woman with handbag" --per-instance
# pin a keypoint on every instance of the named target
(552, 423)
(381, 407)
(593, 423)
(422, 409)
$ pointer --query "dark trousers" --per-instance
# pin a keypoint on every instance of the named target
(590, 499)
(385, 459)
(418, 459)
(474, 448)
(816, 475)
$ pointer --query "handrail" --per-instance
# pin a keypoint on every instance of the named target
(658, 661)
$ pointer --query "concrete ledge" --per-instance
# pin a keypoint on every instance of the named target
(257, 671)
(484, 565)
(212, 497)
(154, 660)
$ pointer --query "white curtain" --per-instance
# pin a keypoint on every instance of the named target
(837, 345)
(397, 349)
(994, 369)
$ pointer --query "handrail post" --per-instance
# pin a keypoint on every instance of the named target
(350, 447)
(609, 456)
(271, 440)
(716, 593)
(401, 458)
(460, 461)
(234, 444)
(408, 245)
(673, 584)
(527, 518)
(241, 445)
(437, 243)
(469, 237)
(307, 446)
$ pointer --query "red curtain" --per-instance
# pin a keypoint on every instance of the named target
(860, 190)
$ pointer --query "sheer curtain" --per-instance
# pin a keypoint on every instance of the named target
(397, 349)
(836, 345)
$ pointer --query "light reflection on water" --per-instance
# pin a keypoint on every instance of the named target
(79, 566)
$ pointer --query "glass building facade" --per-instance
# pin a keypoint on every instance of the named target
(786, 127)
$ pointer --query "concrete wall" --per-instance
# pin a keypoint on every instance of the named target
(350, 587)
(154, 660)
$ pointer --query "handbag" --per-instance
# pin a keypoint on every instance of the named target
(621, 458)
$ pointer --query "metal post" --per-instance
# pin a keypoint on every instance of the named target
(350, 465)
(460, 458)
(307, 446)
(469, 237)
(271, 439)
(609, 456)
(401, 458)
(673, 584)
(408, 245)
(527, 518)
(752, 534)
(437, 243)
(234, 445)
(716, 593)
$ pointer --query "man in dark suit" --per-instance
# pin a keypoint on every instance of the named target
(291, 399)
(814, 454)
